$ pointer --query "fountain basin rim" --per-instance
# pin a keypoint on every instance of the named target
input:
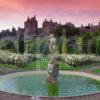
(76, 73)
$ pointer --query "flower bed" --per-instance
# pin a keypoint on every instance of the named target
(22, 60)
(77, 60)
(7, 57)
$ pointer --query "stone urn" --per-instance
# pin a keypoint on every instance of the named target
(52, 71)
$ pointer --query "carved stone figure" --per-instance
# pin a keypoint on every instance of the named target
(52, 46)
(53, 67)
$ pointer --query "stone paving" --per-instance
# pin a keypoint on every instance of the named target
(10, 96)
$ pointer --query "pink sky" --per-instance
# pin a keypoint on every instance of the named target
(15, 12)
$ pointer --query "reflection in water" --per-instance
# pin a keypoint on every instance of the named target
(97, 83)
(53, 89)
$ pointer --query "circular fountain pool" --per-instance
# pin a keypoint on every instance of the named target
(36, 85)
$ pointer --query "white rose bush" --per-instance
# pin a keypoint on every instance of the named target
(80, 59)
(21, 60)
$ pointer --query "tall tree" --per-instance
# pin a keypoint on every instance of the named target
(21, 43)
(64, 46)
(98, 46)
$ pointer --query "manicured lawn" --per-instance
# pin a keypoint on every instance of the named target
(97, 71)
(38, 65)
(42, 65)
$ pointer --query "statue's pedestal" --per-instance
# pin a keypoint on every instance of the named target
(52, 72)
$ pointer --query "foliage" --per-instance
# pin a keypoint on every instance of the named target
(70, 30)
(58, 31)
(79, 43)
(97, 46)
(77, 60)
(64, 46)
(7, 57)
(86, 37)
(21, 43)
(59, 45)
(96, 70)
(21, 46)
(40, 46)
(9, 45)
(71, 44)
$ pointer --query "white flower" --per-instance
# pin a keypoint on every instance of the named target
(16, 59)
(74, 59)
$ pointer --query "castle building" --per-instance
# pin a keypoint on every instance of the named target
(48, 27)
(89, 28)
(31, 30)
(31, 27)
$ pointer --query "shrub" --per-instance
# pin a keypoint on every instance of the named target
(64, 47)
(9, 45)
(7, 57)
(77, 60)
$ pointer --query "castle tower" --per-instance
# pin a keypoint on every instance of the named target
(49, 27)
(31, 27)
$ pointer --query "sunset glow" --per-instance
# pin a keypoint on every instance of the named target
(15, 12)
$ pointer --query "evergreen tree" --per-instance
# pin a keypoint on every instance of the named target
(64, 46)
(98, 46)
(21, 46)
(13, 33)
(86, 38)
(21, 43)
(59, 46)
(79, 42)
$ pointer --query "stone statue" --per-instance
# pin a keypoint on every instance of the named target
(52, 46)
(53, 67)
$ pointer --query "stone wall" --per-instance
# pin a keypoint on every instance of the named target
(84, 97)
